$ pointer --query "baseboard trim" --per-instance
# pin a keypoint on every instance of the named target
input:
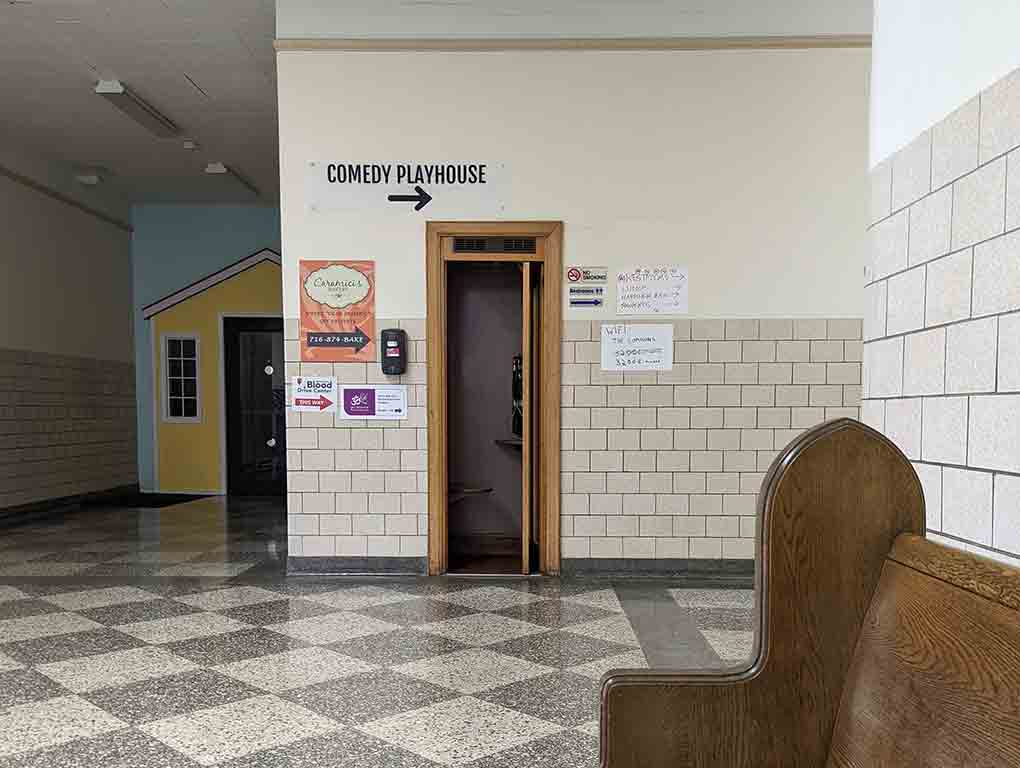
(729, 573)
(356, 566)
(25, 513)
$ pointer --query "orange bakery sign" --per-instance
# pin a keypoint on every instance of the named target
(337, 311)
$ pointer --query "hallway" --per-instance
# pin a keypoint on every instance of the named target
(173, 638)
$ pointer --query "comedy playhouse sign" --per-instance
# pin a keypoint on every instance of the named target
(403, 187)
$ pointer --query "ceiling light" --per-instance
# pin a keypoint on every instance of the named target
(88, 179)
(132, 105)
(223, 170)
(191, 145)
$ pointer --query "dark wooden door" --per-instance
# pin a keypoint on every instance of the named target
(255, 406)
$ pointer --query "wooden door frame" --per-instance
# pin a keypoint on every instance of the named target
(550, 254)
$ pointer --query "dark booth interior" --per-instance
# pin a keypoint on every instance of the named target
(484, 337)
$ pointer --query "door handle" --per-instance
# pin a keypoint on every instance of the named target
(271, 442)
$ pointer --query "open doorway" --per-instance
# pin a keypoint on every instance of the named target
(494, 329)
(255, 406)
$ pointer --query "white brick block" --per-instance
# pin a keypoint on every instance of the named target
(809, 373)
(680, 373)
(955, 144)
(589, 482)
(792, 396)
(610, 547)
(300, 482)
(1000, 105)
(590, 396)
(708, 329)
(738, 549)
(302, 438)
(970, 356)
(351, 546)
(672, 461)
(368, 482)
(576, 330)
(708, 373)
(775, 329)
(997, 275)
(624, 439)
(690, 352)
(690, 396)
(672, 418)
(758, 352)
(793, 351)
(843, 373)
(605, 504)
(369, 438)
(724, 351)
(1009, 354)
(810, 329)
(906, 302)
(924, 363)
(707, 418)
(775, 373)
(742, 329)
(723, 482)
(635, 504)
(574, 504)
(606, 418)
(624, 396)
(689, 482)
(739, 506)
(622, 526)
(741, 373)
(575, 546)
(383, 460)
(639, 548)
(706, 505)
(656, 482)
(622, 482)
(352, 503)
(903, 425)
(318, 546)
(655, 526)
(774, 418)
(756, 439)
(656, 439)
(888, 246)
(351, 460)
(368, 525)
(588, 525)
(707, 549)
(967, 504)
(383, 546)
(930, 476)
(724, 439)
(607, 461)
(722, 526)
(722, 395)
(688, 526)
(740, 418)
(740, 461)
(876, 297)
(758, 395)
(1006, 533)
(395, 439)
(690, 439)
(590, 439)
(944, 437)
(994, 431)
(911, 172)
(979, 203)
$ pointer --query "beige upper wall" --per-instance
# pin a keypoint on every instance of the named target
(66, 278)
(749, 167)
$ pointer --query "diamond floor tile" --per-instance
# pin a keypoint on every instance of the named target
(41, 724)
(217, 734)
(460, 730)
(112, 670)
(473, 670)
(482, 629)
(332, 627)
(293, 669)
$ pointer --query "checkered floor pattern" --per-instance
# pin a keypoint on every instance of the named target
(172, 638)
(417, 674)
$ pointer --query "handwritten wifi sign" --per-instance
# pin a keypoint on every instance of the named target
(637, 347)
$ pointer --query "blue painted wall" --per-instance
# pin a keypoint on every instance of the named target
(172, 247)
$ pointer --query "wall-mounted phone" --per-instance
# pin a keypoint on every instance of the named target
(394, 351)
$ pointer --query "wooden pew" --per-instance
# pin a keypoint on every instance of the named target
(875, 647)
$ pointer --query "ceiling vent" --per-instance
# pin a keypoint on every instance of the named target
(494, 245)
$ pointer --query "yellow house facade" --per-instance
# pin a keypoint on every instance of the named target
(188, 356)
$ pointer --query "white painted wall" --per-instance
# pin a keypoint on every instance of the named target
(571, 18)
(66, 278)
(930, 57)
(748, 167)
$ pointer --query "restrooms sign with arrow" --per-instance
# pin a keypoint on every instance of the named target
(405, 189)
(337, 321)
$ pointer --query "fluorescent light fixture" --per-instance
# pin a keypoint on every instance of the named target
(132, 105)
(88, 179)
(221, 169)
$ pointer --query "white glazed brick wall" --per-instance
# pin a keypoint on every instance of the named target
(668, 464)
(357, 488)
(942, 329)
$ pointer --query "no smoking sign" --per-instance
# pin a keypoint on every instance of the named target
(589, 275)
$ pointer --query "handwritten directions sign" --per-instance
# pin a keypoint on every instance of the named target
(404, 188)
(379, 401)
(337, 311)
(637, 347)
(652, 291)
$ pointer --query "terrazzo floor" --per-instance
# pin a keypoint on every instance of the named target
(140, 638)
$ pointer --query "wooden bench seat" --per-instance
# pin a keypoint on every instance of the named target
(876, 647)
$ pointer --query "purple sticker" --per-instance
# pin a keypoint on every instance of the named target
(359, 402)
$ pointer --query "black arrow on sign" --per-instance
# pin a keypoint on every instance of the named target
(357, 339)
(421, 198)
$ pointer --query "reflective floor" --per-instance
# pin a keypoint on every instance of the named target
(172, 637)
